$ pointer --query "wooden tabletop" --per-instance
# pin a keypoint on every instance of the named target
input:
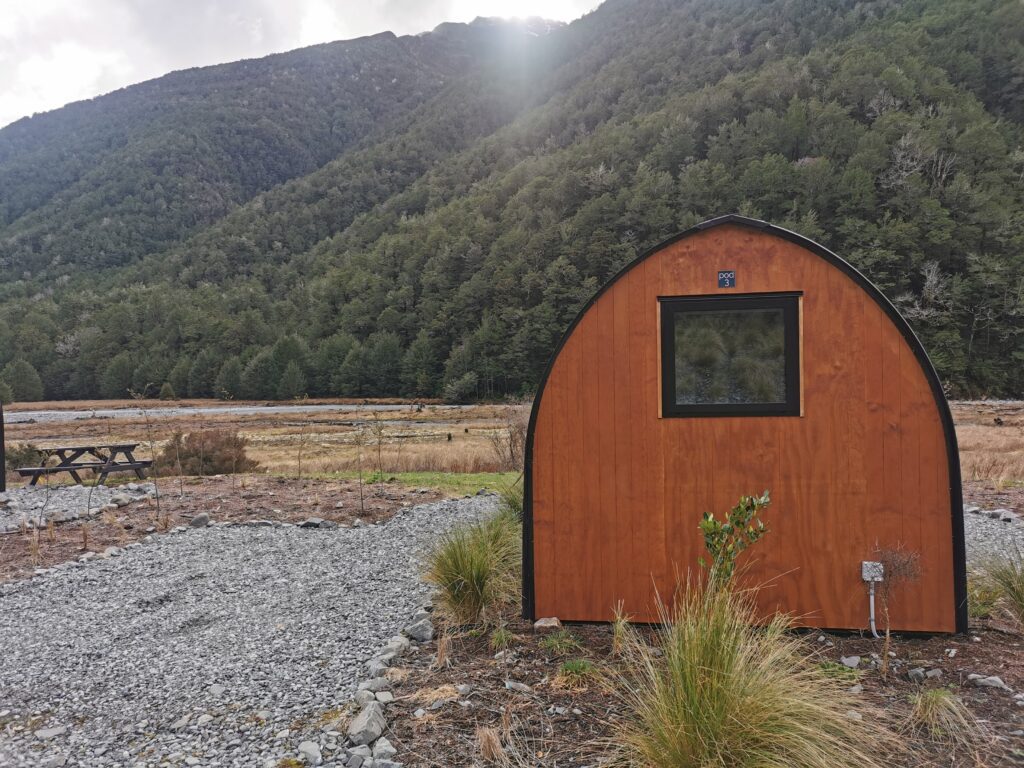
(55, 449)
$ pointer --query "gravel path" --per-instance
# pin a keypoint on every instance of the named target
(213, 647)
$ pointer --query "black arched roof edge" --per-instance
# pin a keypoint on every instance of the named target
(938, 394)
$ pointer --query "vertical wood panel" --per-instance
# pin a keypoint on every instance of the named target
(628, 513)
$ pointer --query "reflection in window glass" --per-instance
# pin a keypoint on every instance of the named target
(733, 356)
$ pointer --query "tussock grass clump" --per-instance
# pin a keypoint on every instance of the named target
(1002, 578)
(476, 569)
(501, 639)
(983, 596)
(576, 674)
(488, 741)
(941, 716)
(510, 499)
(727, 693)
(560, 643)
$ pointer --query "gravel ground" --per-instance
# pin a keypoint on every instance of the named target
(987, 537)
(214, 647)
(35, 505)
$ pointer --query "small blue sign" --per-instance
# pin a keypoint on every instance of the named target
(727, 278)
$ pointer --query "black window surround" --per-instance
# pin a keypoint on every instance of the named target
(672, 306)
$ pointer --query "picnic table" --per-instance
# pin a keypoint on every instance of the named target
(104, 459)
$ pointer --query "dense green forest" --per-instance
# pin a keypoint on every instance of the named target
(424, 215)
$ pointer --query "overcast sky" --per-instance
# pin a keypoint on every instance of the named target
(56, 51)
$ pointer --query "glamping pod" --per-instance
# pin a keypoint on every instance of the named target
(733, 358)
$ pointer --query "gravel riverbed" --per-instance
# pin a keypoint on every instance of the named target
(219, 646)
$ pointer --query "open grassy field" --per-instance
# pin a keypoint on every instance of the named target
(426, 443)
(458, 450)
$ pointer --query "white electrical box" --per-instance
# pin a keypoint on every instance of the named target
(871, 571)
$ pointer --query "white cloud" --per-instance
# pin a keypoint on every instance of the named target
(56, 51)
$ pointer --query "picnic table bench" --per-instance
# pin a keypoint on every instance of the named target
(101, 458)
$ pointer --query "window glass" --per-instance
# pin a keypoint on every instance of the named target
(734, 356)
(731, 355)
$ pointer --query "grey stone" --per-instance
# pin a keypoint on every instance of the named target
(180, 723)
(375, 684)
(382, 748)
(514, 685)
(422, 631)
(311, 522)
(51, 733)
(549, 624)
(991, 681)
(933, 674)
(850, 661)
(310, 752)
(916, 675)
(217, 689)
(55, 761)
(200, 521)
(121, 500)
(367, 725)
(363, 697)
(385, 697)
(204, 719)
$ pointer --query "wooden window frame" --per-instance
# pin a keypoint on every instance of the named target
(789, 303)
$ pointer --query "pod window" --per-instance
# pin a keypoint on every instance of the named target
(731, 356)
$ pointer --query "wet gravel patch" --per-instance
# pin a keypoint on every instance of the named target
(220, 646)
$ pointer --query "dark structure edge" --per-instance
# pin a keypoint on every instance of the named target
(949, 431)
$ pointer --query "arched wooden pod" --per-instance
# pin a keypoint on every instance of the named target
(867, 463)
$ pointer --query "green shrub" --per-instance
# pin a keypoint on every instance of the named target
(206, 452)
(477, 568)
(6, 393)
(167, 392)
(724, 693)
(21, 455)
(725, 541)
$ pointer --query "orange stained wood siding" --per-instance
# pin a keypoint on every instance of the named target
(617, 491)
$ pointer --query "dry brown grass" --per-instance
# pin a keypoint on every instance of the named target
(428, 696)
(488, 741)
(991, 438)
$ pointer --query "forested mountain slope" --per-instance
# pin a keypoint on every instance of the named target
(447, 249)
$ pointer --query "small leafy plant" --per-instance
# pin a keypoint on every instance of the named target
(838, 671)
(726, 540)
